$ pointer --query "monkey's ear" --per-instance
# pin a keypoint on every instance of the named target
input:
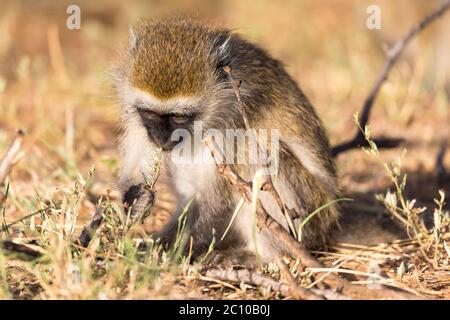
(134, 39)
(222, 50)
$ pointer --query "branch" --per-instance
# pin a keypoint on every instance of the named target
(268, 185)
(296, 291)
(358, 142)
(10, 155)
(392, 57)
(247, 276)
(28, 249)
(254, 278)
(9, 160)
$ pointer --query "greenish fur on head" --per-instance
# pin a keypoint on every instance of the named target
(173, 57)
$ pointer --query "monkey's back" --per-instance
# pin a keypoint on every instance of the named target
(307, 175)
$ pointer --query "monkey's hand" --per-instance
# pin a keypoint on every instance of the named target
(138, 201)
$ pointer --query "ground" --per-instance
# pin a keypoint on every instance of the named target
(55, 84)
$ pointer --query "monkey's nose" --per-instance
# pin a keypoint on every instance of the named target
(160, 138)
(164, 139)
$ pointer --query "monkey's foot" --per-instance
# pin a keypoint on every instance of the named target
(232, 258)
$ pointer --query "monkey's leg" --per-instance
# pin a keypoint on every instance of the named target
(201, 228)
(168, 233)
(178, 227)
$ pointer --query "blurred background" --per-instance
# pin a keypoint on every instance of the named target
(54, 83)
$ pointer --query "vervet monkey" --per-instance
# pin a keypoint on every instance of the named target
(171, 76)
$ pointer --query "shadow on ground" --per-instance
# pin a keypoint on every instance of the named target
(365, 221)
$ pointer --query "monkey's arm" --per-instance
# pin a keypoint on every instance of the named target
(139, 158)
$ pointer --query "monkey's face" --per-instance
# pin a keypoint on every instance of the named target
(160, 126)
(172, 75)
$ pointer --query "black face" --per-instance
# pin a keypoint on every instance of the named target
(160, 126)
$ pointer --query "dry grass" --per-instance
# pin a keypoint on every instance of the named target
(54, 84)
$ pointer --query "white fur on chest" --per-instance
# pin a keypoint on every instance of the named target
(194, 177)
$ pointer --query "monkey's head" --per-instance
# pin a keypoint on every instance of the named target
(173, 75)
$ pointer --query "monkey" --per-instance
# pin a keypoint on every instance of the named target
(172, 76)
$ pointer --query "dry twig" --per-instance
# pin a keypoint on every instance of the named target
(254, 278)
(9, 160)
(296, 291)
(247, 276)
(392, 57)
(28, 249)
(268, 185)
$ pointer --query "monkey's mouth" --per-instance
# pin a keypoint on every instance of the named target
(169, 145)
(166, 149)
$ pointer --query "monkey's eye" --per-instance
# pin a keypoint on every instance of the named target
(179, 119)
(148, 114)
